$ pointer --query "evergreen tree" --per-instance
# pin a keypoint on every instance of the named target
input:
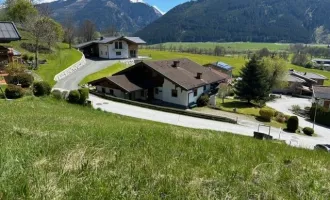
(254, 84)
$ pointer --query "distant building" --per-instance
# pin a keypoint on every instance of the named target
(179, 82)
(322, 94)
(222, 67)
(301, 83)
(112, 47)
(324, 63)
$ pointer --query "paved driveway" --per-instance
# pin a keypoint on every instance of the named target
(285, 104)
(246, 129)
(71, 81)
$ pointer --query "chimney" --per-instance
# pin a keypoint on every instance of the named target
(176, 63)
(199, 75)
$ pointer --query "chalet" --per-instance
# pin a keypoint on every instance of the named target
(322, 95)
(222, 67)
(112, 47)
(301, 83)
(324, 63)
(180, 82)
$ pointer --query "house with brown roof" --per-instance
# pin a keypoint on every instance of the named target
(321, 95)
(112, 47)
(180, 82)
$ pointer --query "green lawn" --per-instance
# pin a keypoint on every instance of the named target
(236, 46)
(61, 58)
(79, 153)
(236, 61)
(104, 73)
(243, 107)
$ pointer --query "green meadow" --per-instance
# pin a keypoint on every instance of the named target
(80, 153)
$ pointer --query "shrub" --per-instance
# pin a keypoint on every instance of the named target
(25, 79)
(57, 94)
(84, 93)
(203, 100)
(41, 88)
(14, 92)
(280, 117)
(308, 131)
(74, 96)
(266, 114)
(293, 124)
(25, 57)
(295, 108)
(31, 58)
(322, 115)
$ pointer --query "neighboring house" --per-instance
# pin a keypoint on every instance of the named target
(112, 47)
(321, 94)
(321, 63)
(8, 33)
(180, 82)
(222, 67)
(301, 83)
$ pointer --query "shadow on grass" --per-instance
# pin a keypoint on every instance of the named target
(260, 119)
(238, 105)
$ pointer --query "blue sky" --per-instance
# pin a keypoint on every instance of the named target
(165, 5)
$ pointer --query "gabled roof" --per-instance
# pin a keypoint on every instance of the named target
(309, 75)
(8, 32)
(123, 82)
(185, 73)
(291, 78)
(321, 92)
(106, 40)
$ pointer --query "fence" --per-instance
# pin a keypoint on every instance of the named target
(70, 69)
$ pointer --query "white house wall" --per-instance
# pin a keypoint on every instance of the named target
(181, 99)
(103, 51)
(124, 51)
(200, 91)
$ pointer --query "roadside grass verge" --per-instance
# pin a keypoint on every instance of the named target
(236, 61)
(61, 58)
(104, 73)
(80, 153)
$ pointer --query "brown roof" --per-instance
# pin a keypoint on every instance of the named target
(185, 73)
(123, 82)
(321, 92)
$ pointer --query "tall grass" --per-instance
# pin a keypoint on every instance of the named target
(53, 150)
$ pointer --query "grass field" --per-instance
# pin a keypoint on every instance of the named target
(79, 153)
(61, 58)
(104, 73)
(236, 61)
(236, 46)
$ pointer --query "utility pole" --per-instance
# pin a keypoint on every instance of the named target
(316, 104)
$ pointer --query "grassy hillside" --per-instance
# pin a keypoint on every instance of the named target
(104, 73)
(61, 58)
(79, 153)
(236, 61)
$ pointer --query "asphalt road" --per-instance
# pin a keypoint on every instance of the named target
(246, 129)
(72, 81)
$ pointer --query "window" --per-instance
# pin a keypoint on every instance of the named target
(195, 92)
(142, 93)
(111, 92)
(103, 90)
(204, 87)
(174, 93)
(118, 45)
(106, 53)
(118, 53)
(156, 91)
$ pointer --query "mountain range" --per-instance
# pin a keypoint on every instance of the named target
(126, 16)
(238, 20)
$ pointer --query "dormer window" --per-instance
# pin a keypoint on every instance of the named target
(119, 45)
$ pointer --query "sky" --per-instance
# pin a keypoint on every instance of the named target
(165, 5)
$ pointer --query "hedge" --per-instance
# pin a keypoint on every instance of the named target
(308, 131)
(41, 88)
(166, 109)
(322, 115)
(266, 114)
(293, 124)
(74, 96)
(14, 92)
(84, 93)
(203, 100)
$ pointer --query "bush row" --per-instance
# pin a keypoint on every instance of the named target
(41, 88)
(78, 96)
(24, 79)
(322, 115)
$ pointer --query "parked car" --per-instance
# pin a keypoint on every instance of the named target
(323, 147)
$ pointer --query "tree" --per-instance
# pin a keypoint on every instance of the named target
(264, 52)
(69, 30)
(299, 59)
(87, 30)
(56, 34)
(254, 83)
(13, 69)
(223, 91)
(19, 10)
(40, 28)
(275, 70)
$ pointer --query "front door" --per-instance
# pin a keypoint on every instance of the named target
(151, 94)
(132, 53)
